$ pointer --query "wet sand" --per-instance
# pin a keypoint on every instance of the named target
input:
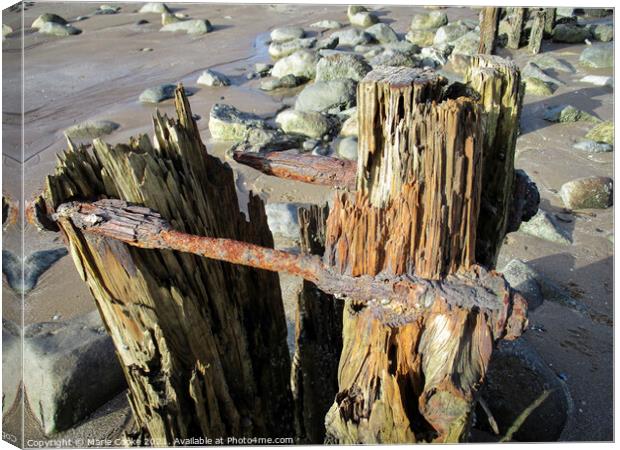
(100, 73)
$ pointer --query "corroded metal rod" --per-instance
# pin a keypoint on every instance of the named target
(323, 170)
(406, 296)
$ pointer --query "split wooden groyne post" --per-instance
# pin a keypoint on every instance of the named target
(202, 342)
(410, 248)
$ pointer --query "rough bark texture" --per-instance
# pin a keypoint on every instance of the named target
(489, 23)
(202, 342)
(499, 84)
(408, 376)
(549, 21)
(318, 340)
(418, 181)
(537, 31)
(516, 27)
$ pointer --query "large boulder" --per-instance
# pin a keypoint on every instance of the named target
(327, 96)
(70, 370)
(352, 37)
(429, 21)
(532, 70)
(423, 38)
(525, 280)
(543, 226)
(539, 88)
(450, 33)
(193, 26)
(326, 24)
(157, 94)
(350, 127)
(603, 32)
(283, 34)
(568, 113)
(382, 33)
(598, 56)
(212, 78)
(91, 129)
(588, 192)
(301, 64)
(56, 29)
(393, 57)
(282, 49)
(590, 146)
(11, 364)
(48, 18)
(307, 123)
(363, 19)
(347, 148)
(603, 132)
(341, 66)
(570, 33)
(546, 61)
(467, 44)
(227, 123)
(154, 8)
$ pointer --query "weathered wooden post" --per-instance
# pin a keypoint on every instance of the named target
(550, 14)
(421, 316)
(415, 213)
(537, 31)
(489, 23)
(318, 339)
(515, 19)
(202, 342)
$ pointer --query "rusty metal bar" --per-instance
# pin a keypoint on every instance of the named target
(323, 170)
(144, 228)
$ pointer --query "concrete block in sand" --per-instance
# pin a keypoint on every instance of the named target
(588, 192)
(70, 370)
(11, 364)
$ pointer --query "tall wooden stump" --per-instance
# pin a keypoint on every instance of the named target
(501, 90)
(537, 31)
(318, 339)
(515, 19)
(550, 14)
(489, 23)
(409, 373)
(202, 342)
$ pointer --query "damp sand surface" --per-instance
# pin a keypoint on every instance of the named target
(99, 74)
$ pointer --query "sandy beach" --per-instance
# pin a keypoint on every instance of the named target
(99, 74)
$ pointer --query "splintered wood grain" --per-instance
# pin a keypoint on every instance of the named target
(501, 90)
(416, 214)
(425, 182)
(202, 342)
(318, 339)
(416, 381)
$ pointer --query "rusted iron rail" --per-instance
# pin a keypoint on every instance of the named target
(311, 169)
(406, 295)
